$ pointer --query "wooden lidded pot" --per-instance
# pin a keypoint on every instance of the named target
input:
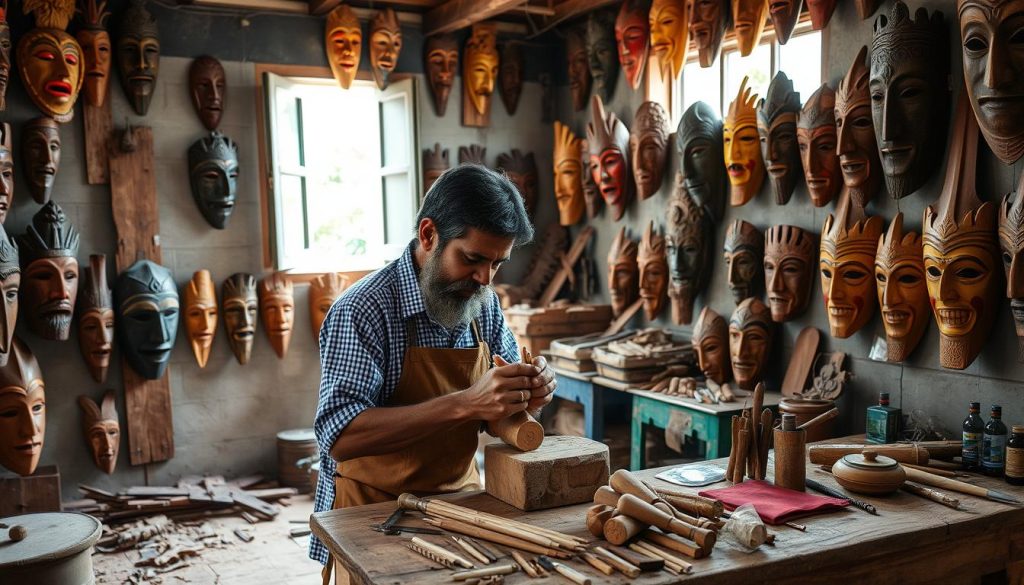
(868, 472)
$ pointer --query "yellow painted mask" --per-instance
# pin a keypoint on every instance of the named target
(848, 244)
(568, 169)
(344, 39)
(480, 67)
(201, 315)
(902, 291)
(670, 31)
(50, 64)
(743, 159)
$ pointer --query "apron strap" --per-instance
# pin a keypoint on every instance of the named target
(475, 330)
(410, 332)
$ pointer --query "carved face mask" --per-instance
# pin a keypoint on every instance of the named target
(961, 253)
(213, 174)
(633, 38)
(96, 318)
(40, 150)
(776, 126)
(821, 12)
(50, 64)
(750, 338)
(201, 315)
(909, 95)
(22, 411)
(994, 71)
(6, 171)
(866, 8)
(102, 430)
(623, 276)
(510, 74)
(323, 291)
(480, 67)
(748, 19)
(95, 42)
(848, 244)
(708, 19)
(699, 148)
(579, 67)
(147, 317)
(784, 14)
(744, 258)
(602, 54)
(5, 58)
(435, 162)
(344, 41)
(239, 305)
(648, 147)
(522, 171)
(654, 273)
(442, 64)
(816, 135)
(49, 284)
(670, 29)
(742, 148)
(1011, 240)
(688, 251)
(788, 267)
(568, 175)
(385, 45)
(277, 309)
(591, 194)
(711, 343)
(855, 133)
(138, 56)
(902, 292)
(207, 85)
(474, 154)
(609, 156)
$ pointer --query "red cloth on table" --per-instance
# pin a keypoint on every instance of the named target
(774, 504)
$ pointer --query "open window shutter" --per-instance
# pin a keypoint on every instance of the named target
(399, 163)
(288, 172)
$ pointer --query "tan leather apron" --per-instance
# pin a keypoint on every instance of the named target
(441, 462)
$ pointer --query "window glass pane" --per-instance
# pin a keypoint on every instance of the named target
(394, 122)
(800, 58)
(401, 215)
(287, 144)
(290, 190)
(757, 66)
(702, 84)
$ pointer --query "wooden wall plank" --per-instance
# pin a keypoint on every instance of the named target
(98, 126)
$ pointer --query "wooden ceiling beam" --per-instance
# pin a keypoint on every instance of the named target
(325, 6)
(568, 10)
(458, 14)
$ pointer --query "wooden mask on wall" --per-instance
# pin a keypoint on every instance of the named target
(909, 73)
(240, 308)
(138, 55)
(344, 42)
(750, 340)
(277, 309)
(902, 291)
(648, 147)
(147, 317)
(435, 162)
(510, 76)
(40, 153)
(849, 241)
(94, 40)
(6, 171)
(821, 12)
(10, 284)
(789, 265)
(23, 402)
(994, 72)
(608, 139)
(776, 126)
(479, 74)
(669, 22)
(442, 52)
(742, 148)
(522, 171)
(102, 430)
(711, 343)
(708, 19)
(654, 274)
(323, 291)
(50, 60)
(207, 86)
(96, 318)
(623, 272)
(633, 38)
(961, 252)
(49, 269)
(785, 14)
(748, 20)
(816, 134)
(1011, 240)
(688, 243)
(213, 175)
(602, 53)
(744, 259)
(699, 148)
(201, 315)
(866, 8)
(855, 133)
(474, 154)
(385, 45)
(579, 66)
(591, 194)
(568, 175)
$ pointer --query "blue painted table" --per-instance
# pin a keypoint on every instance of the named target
(594, 399)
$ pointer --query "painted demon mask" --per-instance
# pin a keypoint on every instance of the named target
(277, 309)
(789, 265)
(442, 53)
(688, 243)
(323, 291)
(654, 273)
(480, 67)
(669, 22)
(435, 162)
(94, 40)
(633, 38)
(855, 133)
(708, 20)
(49, 283)
(623, 272)
(711, 344)
(138, 55)
(750, 340)
(849, 241)
(201, 315)
(744, 259)
(102, 430)
(742, 148)
(816, 135)
(240, 308)
(22, 411)
(648, 147)
(776, 126)
(343, 37)
(213, 175)
(602, 53)
(522, 171)
(902, 290)
(207, 86)
(50, 60)
(699, 148)
(579, 67)
(510, 76)
(147, 317)
(748, 20)
(609, 155)
(568, 168)
(40, 153)
(96, 318)
(385, 45)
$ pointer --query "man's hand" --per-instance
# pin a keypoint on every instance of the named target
(543, 387)
(501, 391)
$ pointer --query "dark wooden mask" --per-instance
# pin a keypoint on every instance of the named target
(385, 45)
(97, 52)
(96, 318)
(744, 259)
(688, 250)
(708, 19)
(1011, 240)
(138, 55)
(102, 430)
(240, 308)
(579, 66)
(208, 88)
(521, 169)
(442, 55)
(49, 269)
(785, 14)
(602, 52)
(855, 133)
(435, 162)
(40, 155)
(510, 76)
(816, 135)
(776, 126)
(148, 310)
(699, 149)
(821, 12)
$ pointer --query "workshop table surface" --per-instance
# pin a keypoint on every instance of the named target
(911, 540)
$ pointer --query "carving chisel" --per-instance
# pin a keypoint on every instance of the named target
(820, 487)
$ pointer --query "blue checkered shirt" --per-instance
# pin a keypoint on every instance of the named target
(362, 345)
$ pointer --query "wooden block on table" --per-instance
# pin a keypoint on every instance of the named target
(39, 492)
(561, 472)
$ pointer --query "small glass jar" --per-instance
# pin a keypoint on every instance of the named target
(1015, 456)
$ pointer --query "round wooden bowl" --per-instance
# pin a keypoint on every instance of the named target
(869, 473)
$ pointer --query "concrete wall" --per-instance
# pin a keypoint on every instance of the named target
(919, 384)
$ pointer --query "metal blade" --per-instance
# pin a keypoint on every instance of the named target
(1002, 497)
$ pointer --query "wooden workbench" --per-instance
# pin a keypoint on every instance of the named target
(912, 540)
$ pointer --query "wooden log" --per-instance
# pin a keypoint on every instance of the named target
(742, 451)
(829, 454)
(620, 529)
(563, 471)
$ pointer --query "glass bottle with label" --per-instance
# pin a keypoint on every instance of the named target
(973, 429)
(883, 421)
(1015, 456)
(993, 448)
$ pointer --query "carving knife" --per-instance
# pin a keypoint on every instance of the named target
(820, 487)
(564, 570)
(958, 486)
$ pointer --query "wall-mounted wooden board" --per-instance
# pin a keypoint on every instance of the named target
(98, 126)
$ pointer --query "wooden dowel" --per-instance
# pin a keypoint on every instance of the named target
(692, 503)
(936, 471)
(673, 542)
(621, 564)
(829, 454)
(823, 417)
(524, 564)
(933, 495)
(630, 505)
(742, 451)
(598, 563)
(754, 455)
(670, 559)
(519, 430)
(491, 557)
(596, 517)
(764, 442)
(502, 569)
(945, 483)
(496, 537)
(735, 429)
(620, 529)
(477, 555)
(442, 552)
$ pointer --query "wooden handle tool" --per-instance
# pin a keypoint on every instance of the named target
(692, 503)
(823, 417)
(933, 495)
(596, 517)
(502, 569)
(471, 550)
(634, 507)
(620, 529)
(673, 542)
(520, 430)
(598, 563)
(625, 482)
(829, 454)
(524, 564)
(671, 560)
(442, 552)
(564, 570)
(647, 562)
(622, 565)
(606, 496)
(730, 469)
(957, 486)
(933, 470)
